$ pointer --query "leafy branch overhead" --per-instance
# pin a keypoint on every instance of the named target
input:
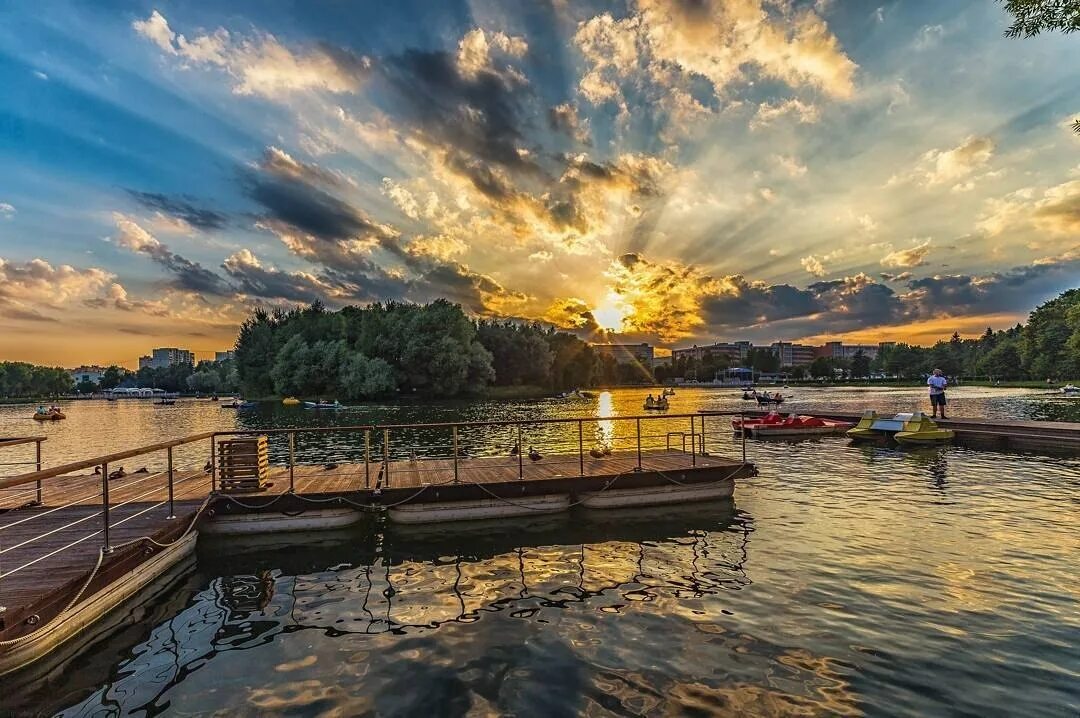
(1032, 17)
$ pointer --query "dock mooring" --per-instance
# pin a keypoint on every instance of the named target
(79, 539)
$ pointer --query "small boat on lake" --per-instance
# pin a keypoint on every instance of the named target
(913, 428)
(330, 405)
(668, 392)
(765, 398)
(53, 413)
(165, 402)
(1070, 389)
(290, 401)
(774, 424)
(652, 404)
(240, 404)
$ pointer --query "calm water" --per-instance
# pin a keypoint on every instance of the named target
(844, 580)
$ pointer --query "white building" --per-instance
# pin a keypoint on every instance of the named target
(91, 374)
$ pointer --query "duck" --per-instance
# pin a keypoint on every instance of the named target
(330, 467)
(118, 474)
(596, 452)
(515, 450)
(97, 471)
(143, 470)
(534, 455)
(208, 467)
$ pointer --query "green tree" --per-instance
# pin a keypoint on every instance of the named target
(86, 387)
(860, 365)
(821, 367)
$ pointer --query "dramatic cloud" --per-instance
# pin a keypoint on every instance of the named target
(564, 118)
(260, 64)
(937, 167)
(188, 275)
(475, 53)
(813, 265)
(907, 258)
(40, 281)
(720, 41)
(182, 209)
(768, 113)
(1055, 212)
(254, 279)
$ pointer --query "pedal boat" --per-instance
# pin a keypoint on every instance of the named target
(775, 425)
(914, 428)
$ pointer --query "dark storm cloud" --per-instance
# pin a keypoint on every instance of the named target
(280, 163)
(755, 303)
(480, 115)
(307, 208)
(181, 207)
(187, 275)
(258, 281)
(999, 291)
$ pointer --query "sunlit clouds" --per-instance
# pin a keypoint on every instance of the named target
(647, 171)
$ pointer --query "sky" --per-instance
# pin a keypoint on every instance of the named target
(676, 172)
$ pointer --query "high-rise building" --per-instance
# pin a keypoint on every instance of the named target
(224, 356)
(166, 356)
(792, 354)
(735, 351)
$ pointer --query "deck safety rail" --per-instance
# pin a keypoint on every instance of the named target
(75, 515)
(12, 462)
(73, 509)
(364, 456)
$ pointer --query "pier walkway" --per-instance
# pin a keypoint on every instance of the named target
(69, 536)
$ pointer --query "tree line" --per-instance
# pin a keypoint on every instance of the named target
(20, 379)
(1047, 347)
(388, 348)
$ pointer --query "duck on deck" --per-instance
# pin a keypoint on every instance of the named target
(79, 539)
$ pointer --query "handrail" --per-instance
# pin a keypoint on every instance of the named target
(99, 460)
(20, 440)
(119, 456)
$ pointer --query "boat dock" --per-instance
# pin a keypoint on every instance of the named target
(79, 539)
(1052, 437)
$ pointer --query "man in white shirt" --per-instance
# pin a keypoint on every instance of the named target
(937, 383)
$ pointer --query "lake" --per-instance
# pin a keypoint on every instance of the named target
(844, 580)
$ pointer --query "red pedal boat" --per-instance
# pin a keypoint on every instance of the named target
(775, 425)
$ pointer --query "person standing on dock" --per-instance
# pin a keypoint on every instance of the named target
(937, 383)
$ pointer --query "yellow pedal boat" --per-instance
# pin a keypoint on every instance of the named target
(290, 401)
(914, 428)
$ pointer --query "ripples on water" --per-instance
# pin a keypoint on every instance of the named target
(844, 580)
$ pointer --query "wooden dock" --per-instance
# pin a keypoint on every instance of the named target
(1052, 437)
(49, 552)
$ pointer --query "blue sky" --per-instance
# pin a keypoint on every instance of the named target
(676, 172)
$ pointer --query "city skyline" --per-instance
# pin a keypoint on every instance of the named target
(792, 170)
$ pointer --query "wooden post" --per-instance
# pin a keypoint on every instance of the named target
(521, 455)
(105, 505)
(742, 433)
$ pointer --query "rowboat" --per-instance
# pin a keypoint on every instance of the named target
(50, 416)
(322, 405)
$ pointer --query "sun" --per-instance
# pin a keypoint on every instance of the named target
(610, 314)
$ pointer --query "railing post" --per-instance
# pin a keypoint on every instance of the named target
(105, 505)
(367, 458)
(693, 443)
(37, 463)
(742, 433)
(521, 455)
(292, 462)
(453, 430)
(581, 446)
(702, 446)
(638, 423)
(172, 511)
(386, 457)
(213, 463)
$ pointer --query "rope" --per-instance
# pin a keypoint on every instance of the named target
(97, 567)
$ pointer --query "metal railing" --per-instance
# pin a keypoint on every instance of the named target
(368, 452)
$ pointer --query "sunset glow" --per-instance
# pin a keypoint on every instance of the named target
(670, 172)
